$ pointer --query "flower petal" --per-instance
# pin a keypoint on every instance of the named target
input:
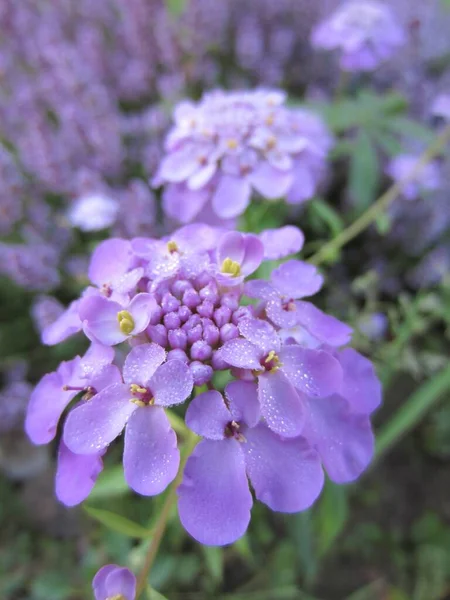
(207, 415)
(110, 260)
(286, 474)
(142, 308)
(243, 401)
(261, 334)
(183, 204)
(313, 372)
(172, 383)
(231, 197)
(120, 582)
(281, 242)
(240, 353)
(48, 401)
(344, 440)
(214, 498)
(100, 321)
(296, 279)
(269, 181)
(142, 362)
(96, 423)
(76, 475)
(361, 386)
(325, 328)
(281, 405)
(150, 456)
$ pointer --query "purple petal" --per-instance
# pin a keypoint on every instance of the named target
(281, 405)
(183, 204)
(344, 440)
(172, 383)
(254, 253)
(207, 415)
(142, 308)
(214, 498)
(93, 425)
(231, 245)
(114, 581)
(325, 328)
(281, 242)
(180, 164)
(240, 353)
(100, 322)
(127, 282)
(361, 386)
(231, 197)
(204, 237)
(261, 334)
(48, 401)
(142, 362)
(286, 474)
(110, 260)
(76, 475)
(296, 279)
(303, 185)
(105, 377)
(95, 358)
(201, 177)
(150, 457)
(258, 288)
(313, 372)
(281, 313)
(270, 182)
(67, 324)
(243, 401)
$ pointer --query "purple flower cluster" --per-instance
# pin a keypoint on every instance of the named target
(364, 31)
(298, 400)
(427, 179)
(231, 144)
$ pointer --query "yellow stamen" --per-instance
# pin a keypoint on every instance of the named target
(137, 389)
(138, 402)
(126, 322)
(232, 144)
(232, 267)
(270, 119)
(273, 358)
(172, 246)
(271, 142)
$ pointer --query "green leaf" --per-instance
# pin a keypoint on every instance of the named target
(411, 129)
(175, 7)
(387, 141)
(110, 483)
(118, 523)
(153, 594)
(364, 171)
(331, 516)
(327, 214)
(413, 410)
(214, 561)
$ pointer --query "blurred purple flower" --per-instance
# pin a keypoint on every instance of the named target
(233, 143)
(364, 31)
(114, 582)
(426, 180)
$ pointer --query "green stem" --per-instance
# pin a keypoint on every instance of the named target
(163, 519)
(381, 204)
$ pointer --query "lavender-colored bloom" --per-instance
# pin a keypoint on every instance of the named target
(214, 496)
(426, 180)
(364, 31)
(93, 212)
(112, 582)
(441, 106)
(231, 144)
(298, 400)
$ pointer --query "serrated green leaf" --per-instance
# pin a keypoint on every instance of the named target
(118, 522)
(364, 171)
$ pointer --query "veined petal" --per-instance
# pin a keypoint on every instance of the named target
(172, 383)
(281, 405)
(142, 362)
(76, 475)
(207, 415)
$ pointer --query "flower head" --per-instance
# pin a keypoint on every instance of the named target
(231, 144)
(112, 582)
(298, 402)
(365, 32)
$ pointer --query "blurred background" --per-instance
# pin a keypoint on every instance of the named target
(87, 89)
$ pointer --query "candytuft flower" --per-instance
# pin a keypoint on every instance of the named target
(298, 403)
(364, 31)
(232, 144)
(112, 582)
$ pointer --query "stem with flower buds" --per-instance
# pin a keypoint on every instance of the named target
(163, 518)
(382, 203)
